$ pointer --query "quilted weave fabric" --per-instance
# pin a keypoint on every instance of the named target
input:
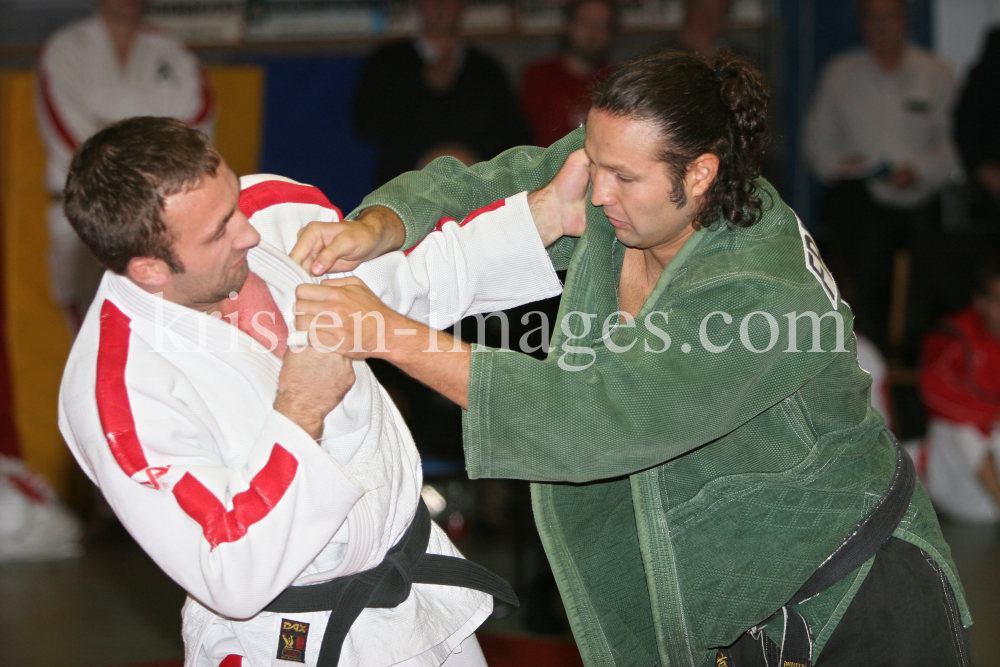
(694, 468)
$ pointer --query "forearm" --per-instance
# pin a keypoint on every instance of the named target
(437, 359)
(387, 227)
(300, 413)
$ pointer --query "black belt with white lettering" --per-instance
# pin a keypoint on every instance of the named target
(387, 585)
(755, 648)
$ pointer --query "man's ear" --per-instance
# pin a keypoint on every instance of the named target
(701, 174)
(148, 272)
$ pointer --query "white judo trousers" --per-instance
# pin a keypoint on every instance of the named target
(170, 412)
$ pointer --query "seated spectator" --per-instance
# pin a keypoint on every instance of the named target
(434, 94)
(977, 134)
(878, 135)
(555, 92)
(91, 73)
(960, 384)
(703, 27)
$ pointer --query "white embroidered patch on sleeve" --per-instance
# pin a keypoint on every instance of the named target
(816, 266)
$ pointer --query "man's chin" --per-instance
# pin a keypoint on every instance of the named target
(625, 238)
(234, 285)
(242, 271)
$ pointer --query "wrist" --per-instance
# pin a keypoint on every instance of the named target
(406, 338)
(308, 419)
(548, 227)
(386, 227)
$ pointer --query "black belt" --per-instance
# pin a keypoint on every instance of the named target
(386, 585)
(756, 648)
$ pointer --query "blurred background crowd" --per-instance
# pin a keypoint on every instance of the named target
(885, 141)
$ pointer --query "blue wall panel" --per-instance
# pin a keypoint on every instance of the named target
(307, 127)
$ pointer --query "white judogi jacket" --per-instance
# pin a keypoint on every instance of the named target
(170, 412)
(81, 88)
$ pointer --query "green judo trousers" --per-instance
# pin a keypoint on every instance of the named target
(694, 468)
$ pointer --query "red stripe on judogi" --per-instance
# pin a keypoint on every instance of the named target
(250, 506)
(267, 487)
(207, 101)
(53, 114)
(261, 195)
(113, 404)
(469, 218)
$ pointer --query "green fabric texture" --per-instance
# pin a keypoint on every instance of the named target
(683, 491)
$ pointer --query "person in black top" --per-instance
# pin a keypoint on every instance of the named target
(977, 134)
(435, 95)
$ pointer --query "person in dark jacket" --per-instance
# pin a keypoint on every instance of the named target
(435, 95)
(977, 134)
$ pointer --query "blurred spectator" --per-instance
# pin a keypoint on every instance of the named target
(878, 135)
(555, 92)
(418, 94)
(960, 384)
(703, 27)
(92, 73)
(977, 132)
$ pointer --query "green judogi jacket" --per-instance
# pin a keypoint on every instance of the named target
(694, 469)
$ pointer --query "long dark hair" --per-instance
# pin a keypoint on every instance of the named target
(699, 107)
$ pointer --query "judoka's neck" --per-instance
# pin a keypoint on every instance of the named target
(167, 294)
(123, 32)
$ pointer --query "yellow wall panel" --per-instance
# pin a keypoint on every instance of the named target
(239, 127)
(36, 333)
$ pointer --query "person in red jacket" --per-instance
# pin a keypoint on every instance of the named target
(960, 385)
(555, 92)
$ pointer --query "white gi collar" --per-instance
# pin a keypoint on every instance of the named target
(172, 322)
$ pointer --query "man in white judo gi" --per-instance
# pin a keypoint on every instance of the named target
(91, 73)
(183, 404)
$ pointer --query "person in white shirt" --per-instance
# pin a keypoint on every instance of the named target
(878, 135)
(92, 73)
(254, 470)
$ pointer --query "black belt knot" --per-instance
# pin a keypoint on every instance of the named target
(387, 585)
(394, 586)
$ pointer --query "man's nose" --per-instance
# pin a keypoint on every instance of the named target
(248, 236)
(601, 194)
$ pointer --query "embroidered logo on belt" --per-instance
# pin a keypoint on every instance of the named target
(292, 644)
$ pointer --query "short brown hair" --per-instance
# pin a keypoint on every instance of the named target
(119, 180)
(699, 107)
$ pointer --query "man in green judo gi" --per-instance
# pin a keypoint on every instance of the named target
(700, 435)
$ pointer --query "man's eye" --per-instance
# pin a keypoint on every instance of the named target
(624, 179)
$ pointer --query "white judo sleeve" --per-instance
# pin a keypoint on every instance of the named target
(493, 260)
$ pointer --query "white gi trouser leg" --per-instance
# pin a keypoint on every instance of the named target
(74, 274)
(956, 453)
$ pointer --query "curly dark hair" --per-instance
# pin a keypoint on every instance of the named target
(121, 177)
(699, 107)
